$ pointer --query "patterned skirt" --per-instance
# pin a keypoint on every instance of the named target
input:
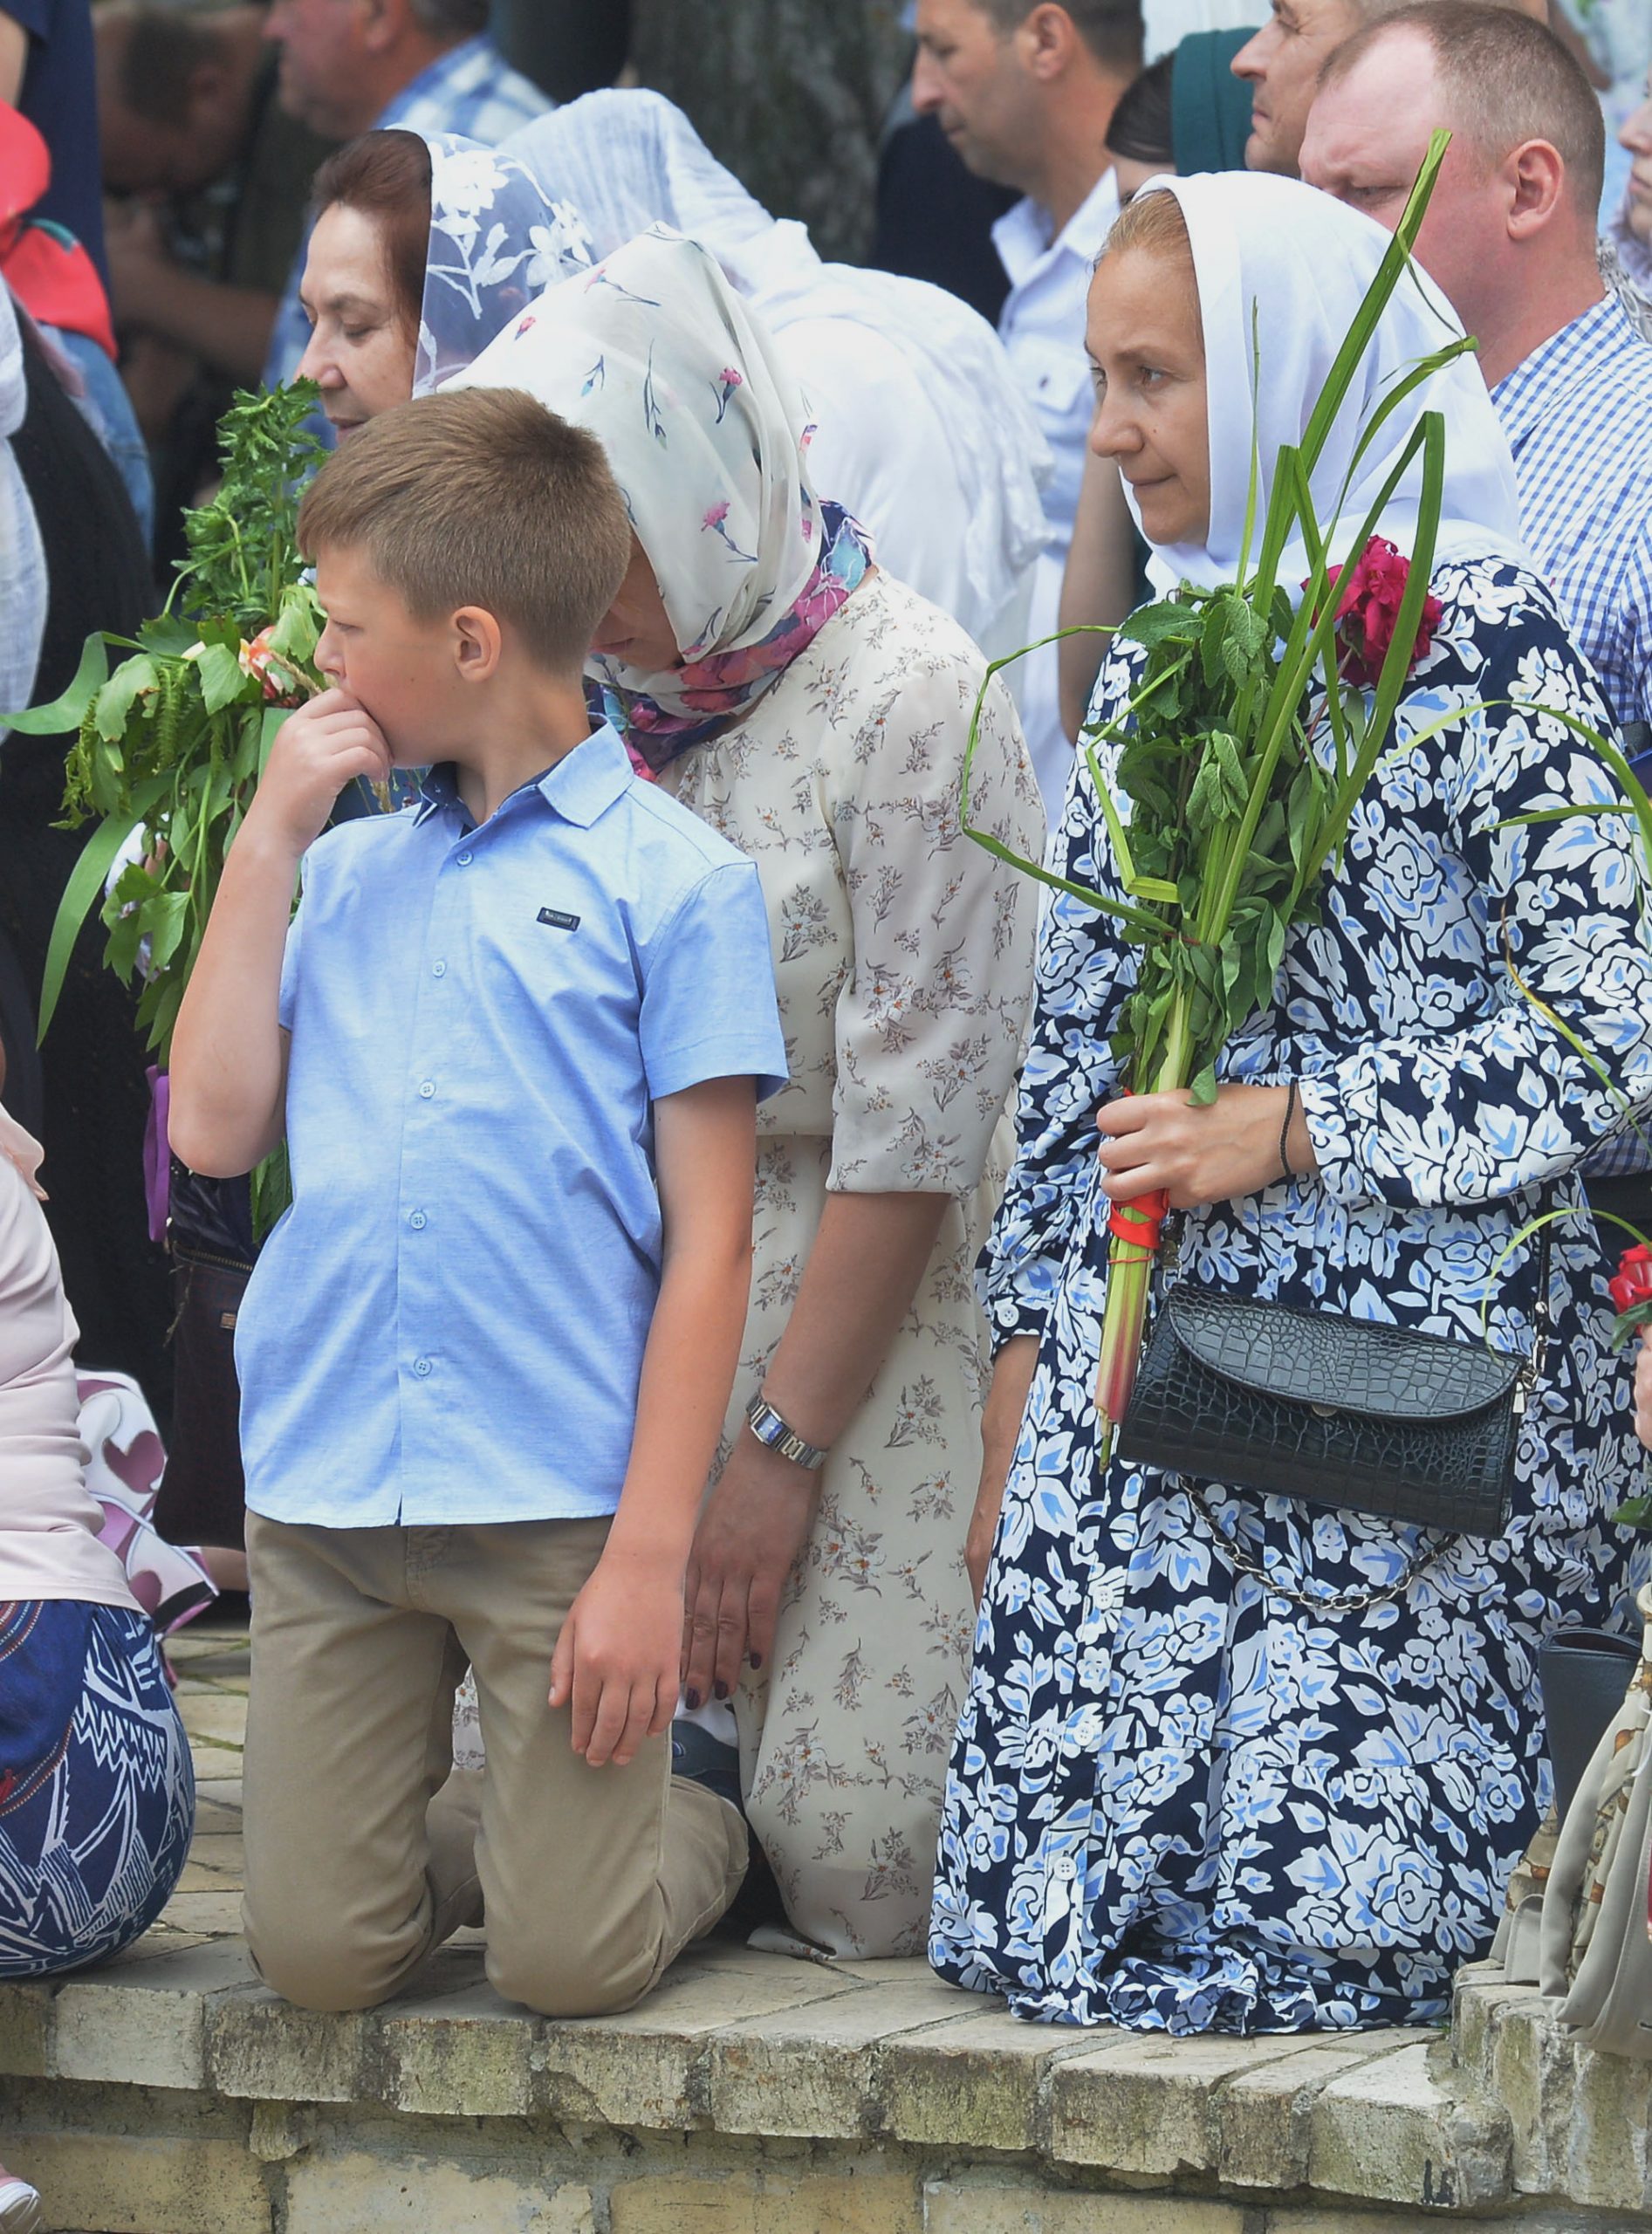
(97, 1792)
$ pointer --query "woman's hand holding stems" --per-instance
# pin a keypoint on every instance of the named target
(1198, 1156)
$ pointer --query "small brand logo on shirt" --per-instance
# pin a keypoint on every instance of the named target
(559, 919)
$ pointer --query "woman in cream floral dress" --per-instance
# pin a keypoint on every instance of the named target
(816, 712)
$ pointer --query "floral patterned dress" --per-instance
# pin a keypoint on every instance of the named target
(1184, 1796)
(903, 954)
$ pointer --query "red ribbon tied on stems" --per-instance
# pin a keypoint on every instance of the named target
(1142, 1219)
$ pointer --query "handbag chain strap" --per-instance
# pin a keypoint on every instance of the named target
(1341, 1601)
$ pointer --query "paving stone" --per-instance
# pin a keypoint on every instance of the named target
(123, 2183)
(220, 1715)
(213, 1914)
(262, 2048)
(145, 2026)
(957, 2207)
(464, 2055)
(644, 2068)
(1597, 2113)
(982, 2076)
(804, 2072)
(360, 2193)
(1480, 2005)
(1286, 2220)
(826, 2202)
(25, 2029)
(223, 1851)
(1264, 2117)
(1390, 2132)
(1146, 2102)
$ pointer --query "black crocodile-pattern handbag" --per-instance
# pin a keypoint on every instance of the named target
(1334, 1411)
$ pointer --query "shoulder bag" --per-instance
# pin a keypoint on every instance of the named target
(1334, 1411)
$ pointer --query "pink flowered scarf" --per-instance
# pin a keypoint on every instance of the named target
(724, 684)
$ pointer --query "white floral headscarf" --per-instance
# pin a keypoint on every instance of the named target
(497, 241)
(656, 353)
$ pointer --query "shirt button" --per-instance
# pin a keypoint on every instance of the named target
(421, 1366)
(418, 1221)
(438, 970)
(463, 858)
(427, 1090)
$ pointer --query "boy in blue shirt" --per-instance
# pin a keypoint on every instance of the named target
(514, 1039)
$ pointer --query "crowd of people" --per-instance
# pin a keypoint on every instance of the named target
(663, 1428)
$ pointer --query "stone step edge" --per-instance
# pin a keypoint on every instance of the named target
(1370, 2117)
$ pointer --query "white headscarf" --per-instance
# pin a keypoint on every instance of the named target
(1303, 262)
(23, 562)
(629, 160)
(496, 242)
(705, 433)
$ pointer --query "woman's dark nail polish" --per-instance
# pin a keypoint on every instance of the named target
(720, 1690)
(691, 1700)
(756, 1660)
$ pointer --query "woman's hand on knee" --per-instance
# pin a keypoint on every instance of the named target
(1237, 1145)
(751, 1536)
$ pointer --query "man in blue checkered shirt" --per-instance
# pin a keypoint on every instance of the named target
(426, 66)
(1509, 236)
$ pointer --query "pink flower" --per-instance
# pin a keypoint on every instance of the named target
(718, 513)
(524, 325)
(730, 378)
(1369, 607)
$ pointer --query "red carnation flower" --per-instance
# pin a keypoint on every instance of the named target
(1369, 607)
(1633, 1282)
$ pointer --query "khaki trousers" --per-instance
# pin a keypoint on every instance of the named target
(364, 1851)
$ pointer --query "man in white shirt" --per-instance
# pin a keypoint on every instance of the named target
(1025, 92)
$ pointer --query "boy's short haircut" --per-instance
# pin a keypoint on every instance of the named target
(481, 497)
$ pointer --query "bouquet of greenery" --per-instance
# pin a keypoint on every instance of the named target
(1234, 816)
(172, 744)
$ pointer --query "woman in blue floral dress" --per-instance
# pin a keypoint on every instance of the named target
(1229, 1762)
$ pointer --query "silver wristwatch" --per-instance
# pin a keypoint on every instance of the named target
(773, 1432)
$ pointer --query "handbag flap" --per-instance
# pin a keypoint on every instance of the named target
(1343, 1364)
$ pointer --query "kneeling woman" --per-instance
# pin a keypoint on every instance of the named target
(815, 710)
(97, 1795)
(1229, 1762)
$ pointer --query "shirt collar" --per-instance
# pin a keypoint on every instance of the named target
(1525, 395)
(434, 75)
(1022, 236)
(580, 787)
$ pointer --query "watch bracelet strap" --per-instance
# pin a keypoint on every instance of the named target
(775, 1434)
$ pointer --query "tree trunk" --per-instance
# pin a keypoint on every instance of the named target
(790, 95)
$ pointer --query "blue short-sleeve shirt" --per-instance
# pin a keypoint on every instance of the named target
(448, 1325)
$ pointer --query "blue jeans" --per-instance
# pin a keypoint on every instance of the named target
(107, 410)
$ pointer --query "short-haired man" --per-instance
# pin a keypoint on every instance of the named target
(1509, 236)
(217, 175)
(361, 66)
(1024, 92)
(1282, 64)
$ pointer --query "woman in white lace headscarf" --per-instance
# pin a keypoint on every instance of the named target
(920, 431)
(23, 566)
(425, 246)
